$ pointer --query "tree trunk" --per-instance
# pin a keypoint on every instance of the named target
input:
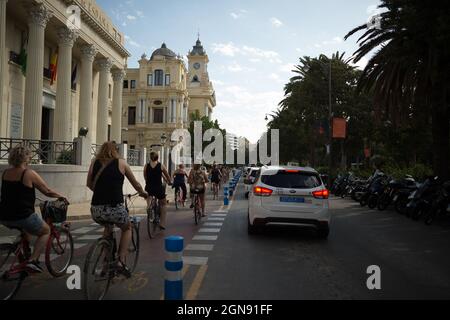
(441, 142)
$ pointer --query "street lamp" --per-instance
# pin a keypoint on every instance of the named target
(330, 119)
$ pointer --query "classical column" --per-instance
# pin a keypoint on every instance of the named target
(3, 105)
(63, 109)
(116, 121)
(102, 112)
(38, 18)
(88, 53)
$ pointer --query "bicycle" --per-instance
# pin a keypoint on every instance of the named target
(58, 252)
(153, 218)
(100, 268)
(178, 198)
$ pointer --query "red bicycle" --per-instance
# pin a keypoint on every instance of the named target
(58, 252)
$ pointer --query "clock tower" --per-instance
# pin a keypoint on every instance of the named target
(201, 91)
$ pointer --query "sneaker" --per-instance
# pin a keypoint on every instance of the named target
(34, 267)
(123, 270)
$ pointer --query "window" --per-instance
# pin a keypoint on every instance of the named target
(125, 84)
(158, 115)
(294, 180)
(195, 79)
(109, 91)
(133, 84)
(167, 79)
(150, 80)
(159, 77)
(131, 116)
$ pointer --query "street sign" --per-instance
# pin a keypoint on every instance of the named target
(339, 128)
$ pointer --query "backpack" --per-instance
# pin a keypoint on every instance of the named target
(198, 179)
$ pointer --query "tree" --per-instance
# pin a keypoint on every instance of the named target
(409, 69)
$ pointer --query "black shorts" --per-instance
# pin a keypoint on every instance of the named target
(157, 192)
(197, 190)
(215, 180)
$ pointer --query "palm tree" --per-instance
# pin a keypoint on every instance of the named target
(410, 66)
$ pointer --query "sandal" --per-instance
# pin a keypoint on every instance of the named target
(123, 269)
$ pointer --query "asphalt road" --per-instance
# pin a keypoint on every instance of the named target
(223, 262)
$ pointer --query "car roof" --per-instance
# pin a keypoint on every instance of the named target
(272, 169)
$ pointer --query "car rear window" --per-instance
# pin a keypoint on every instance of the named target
(254, 173)
(292, 180)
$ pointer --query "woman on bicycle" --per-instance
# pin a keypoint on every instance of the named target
(197, 181)
(105, 178)
(179, 181)
(154, 172)
(17, 202)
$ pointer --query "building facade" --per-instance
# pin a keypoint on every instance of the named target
(160, 96)
(90, 66)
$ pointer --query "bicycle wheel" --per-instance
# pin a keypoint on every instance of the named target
(152, 223)
(133, 249)
(97, 270)
(9, 282)
(59, 252)
(197, 213)
(177, 196)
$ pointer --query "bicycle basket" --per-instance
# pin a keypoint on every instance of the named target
(54, 210)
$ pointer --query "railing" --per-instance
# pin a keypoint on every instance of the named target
(133, 157)
(94, 149)
(42, 151)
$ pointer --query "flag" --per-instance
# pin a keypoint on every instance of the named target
(53, 67)
(74, 76)
(339, 128)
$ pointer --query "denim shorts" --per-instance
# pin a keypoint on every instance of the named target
(32, 225)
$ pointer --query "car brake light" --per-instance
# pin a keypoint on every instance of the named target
(321, 194)
(291, 171)
(261, 191)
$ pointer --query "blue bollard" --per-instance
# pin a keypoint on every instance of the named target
(225, 196)
(173, 284)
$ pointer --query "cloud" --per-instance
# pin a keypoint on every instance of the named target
(255, 54)
(130, 17)
(334, 41)
(140, 13)
(275, 77)
(361, 64)
(131, 42)
(226, 49)
(287, 68)
(298, 50)
(238, 15)
(276, 22)
(236, 67)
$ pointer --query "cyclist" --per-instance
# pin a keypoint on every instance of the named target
(179, 181)
(225, 175)
(215, 177)
(197, 181)
(105, 178)
(17, 203)
(154, 172)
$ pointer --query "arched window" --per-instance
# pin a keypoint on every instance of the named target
(195, 79)
(159, 77)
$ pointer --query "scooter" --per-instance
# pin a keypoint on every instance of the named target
(440, 205)
(420, 200)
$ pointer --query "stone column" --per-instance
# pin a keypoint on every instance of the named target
(3, 66)
(39, 15)
(88, 53)
(63, 109)
(102, 112)
(116, 121)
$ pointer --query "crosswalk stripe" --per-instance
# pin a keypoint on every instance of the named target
(209, 230)
(220, 215)
(88, 237)
(83, 230)
(199, 247)
(213, 224)
(195, 261)
(216, 219)
(208, 238)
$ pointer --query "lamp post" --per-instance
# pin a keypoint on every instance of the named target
(163, 140)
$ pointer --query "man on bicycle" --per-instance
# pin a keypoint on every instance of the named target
(154, 172)
(197, 181)
(179, 181)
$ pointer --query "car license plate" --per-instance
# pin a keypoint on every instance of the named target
(292, 199)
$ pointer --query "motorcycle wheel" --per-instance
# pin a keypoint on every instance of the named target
(363, 201)
(372, 202)
(383, 203)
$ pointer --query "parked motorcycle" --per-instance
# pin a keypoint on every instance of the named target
(373, 188)
(440, 205)
(420, 200)
(391, 190)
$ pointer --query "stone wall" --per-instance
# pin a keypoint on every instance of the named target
(71, 180)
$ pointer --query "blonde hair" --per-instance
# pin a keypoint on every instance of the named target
(108, 151)
(19, 155)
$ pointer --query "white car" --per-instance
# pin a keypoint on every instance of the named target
(250, 180)
(289, 195)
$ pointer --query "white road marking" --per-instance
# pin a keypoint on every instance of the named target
(220, 215)
(208, 238)
(213, 224)
(199, 247)
(209, 230)
(95, 224)
(83, 230)
(89, 237)
(216, 219)
(79, 245)
(196, 261)
(9, 239)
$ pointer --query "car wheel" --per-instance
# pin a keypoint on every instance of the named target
(246, 195)
(323, 232)
(251, 229)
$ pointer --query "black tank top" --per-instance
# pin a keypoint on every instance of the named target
(109, 187)
(153, 177)
(17, 200)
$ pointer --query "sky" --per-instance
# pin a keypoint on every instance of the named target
(252, 44)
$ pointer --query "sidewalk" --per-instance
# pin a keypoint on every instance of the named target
(82, 211)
